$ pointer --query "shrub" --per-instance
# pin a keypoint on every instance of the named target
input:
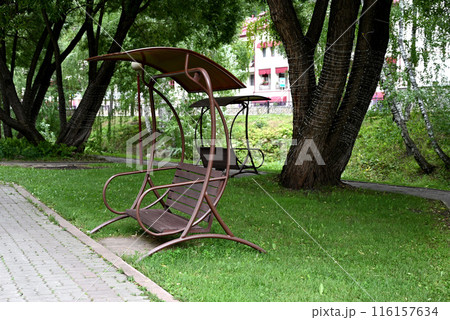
(12, 148)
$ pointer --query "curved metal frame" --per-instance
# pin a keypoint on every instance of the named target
(201, 78)
(245, 106)
(242, 164)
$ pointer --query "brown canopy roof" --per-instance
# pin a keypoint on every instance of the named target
(168, 60)
(224, 101)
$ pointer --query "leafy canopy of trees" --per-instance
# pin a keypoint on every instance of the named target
(413, 75)
(43, 43)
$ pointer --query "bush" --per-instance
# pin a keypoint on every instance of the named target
(24, 150)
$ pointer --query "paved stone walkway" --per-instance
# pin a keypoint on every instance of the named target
(41, 261)
(426, 193)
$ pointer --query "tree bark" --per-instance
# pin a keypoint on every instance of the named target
(8, 90)
(6, 105)
(59, 76)
(7, 132)
(399, 119)
(330, 113)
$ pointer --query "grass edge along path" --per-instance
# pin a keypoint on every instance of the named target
(395, 246)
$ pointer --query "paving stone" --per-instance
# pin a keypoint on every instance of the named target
(43, 262)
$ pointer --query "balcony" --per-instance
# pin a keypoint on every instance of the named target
(278, 87)
(264, 86)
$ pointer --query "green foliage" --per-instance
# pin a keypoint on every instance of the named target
(48, 121)
(198, 25)
(428, 21)
(21, 149)
(119, 134)
(270, 133)
(379, 153)
(202, 24)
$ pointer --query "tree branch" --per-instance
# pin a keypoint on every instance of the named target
(32, 100)
(145, 6)
(59, 80)
(317, 21)
(92, 40)
(74, 41)
(99, 6)
(10, 122)
(35, 59)
(8, 88)
(14, 54)
(287, 24)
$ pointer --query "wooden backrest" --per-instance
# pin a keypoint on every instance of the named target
(219, 158)
(184, 198)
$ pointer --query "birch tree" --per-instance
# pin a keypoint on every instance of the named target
(411, 74)
(401, 120)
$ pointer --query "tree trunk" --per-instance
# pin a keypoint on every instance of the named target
(110, 115)
(7, 132)
(328, 116)
(40, 71)
(409, 143)
(59, 76)
(8, 90)
(399, 119)
(80, 125)
(26, 110)
(6, 105)
(132, 107)
(146, 114)
(412, 79)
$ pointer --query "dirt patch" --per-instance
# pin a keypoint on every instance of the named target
(130, 245)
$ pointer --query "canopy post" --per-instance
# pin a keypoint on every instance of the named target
(138, 68)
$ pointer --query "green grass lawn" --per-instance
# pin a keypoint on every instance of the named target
(393, 247)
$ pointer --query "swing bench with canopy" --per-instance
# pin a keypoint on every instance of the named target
(248, 161)
(188, 204)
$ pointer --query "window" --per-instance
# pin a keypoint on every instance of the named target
(282, 81)
(252, 79)
(264, 52)
(272, 51)
(265, 82)
(282, 72)
(264, 78)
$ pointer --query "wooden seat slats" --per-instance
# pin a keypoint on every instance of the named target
(162, 221)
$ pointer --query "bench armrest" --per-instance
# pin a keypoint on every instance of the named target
(105, 187)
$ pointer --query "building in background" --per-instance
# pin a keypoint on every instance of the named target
(268, 75)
